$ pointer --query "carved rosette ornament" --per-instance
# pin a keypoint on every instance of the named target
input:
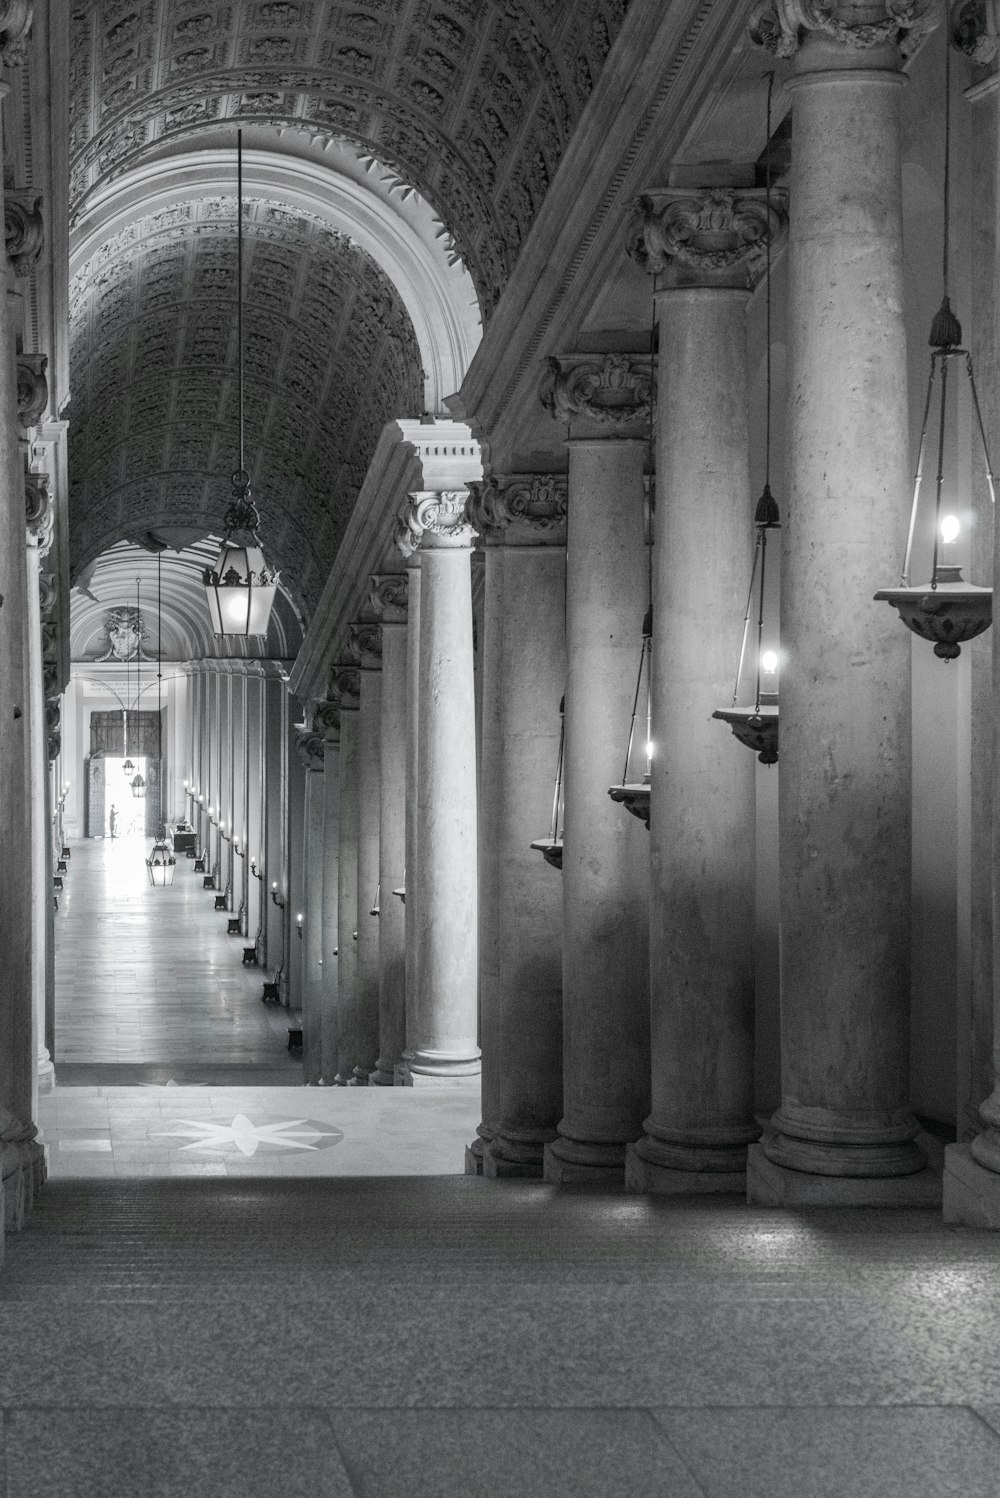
(345, 688)
(707, 236)
(15, 31)
(975, 29)
(38, 510)
(364, 641)
(326, 721)
(32, 388)
(779, 25)
(606, 390)
(435, 518)
(530, 506)
(24, 230)
(310, 748)
(389, 596)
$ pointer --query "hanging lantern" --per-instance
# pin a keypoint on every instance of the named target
(138, 786)
(947, 610)
(551, 847)
(240, 588)
(161, 864)
(634, 794)
(756, 725)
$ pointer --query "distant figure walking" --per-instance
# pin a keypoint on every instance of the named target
(113, 821)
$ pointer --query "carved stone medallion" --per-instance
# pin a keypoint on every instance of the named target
(607, 390)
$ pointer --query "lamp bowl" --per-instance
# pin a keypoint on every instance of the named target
(634, 797)
(551, 849)
(947, 615)
(756, 727)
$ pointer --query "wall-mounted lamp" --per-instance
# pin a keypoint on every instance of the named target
(298, 923)
(255, 869)
(278, 899)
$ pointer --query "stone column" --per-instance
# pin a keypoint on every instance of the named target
(972, 1170)
(38, 509)
(365, 644)
(405, 540)
(309, 935)
(326, 719)
(604, 400)
(522, 521)
(388, 598)
(345, 689)
(844, 1130)
(706, 244)
(443, 1041)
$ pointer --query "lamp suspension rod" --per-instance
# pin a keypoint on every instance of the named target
(239, 278)
(944, 280)
(554, 828)
(760, 615)
(982, 429)
(746, 617)
(767, 291)
(159, 681)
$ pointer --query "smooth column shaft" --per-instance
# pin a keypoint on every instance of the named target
(331, 899)
(369, 814)
(392, 857)
(412, 786)
(311, 936)
(606, 856)
(348, 1037)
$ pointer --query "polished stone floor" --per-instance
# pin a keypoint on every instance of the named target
(148, 978)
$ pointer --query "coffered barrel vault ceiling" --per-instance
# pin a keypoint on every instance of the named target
(330, 357)
(471, 101)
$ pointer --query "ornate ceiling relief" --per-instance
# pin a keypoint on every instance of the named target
(329, 354)
(472, 103)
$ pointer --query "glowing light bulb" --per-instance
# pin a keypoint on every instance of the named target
(950, 528)
(769, 662)
(649, 748)
(299, 918)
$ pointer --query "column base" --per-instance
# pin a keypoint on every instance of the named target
(568, 1162)
(429, 1079)
(474, 1158)
(971, 1192)
(646, 1175)
(773, 1185)
(46, 1074)
(383, 1075)
(438, 1067)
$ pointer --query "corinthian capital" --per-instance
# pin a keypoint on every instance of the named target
(530, 506)
(707, 236)
(24, 230)
(38, 513)
(15, 28)
(345, 688)
(364, 641)
(606, 390)
(435, 518)
(32, 388)
(975, 28)
(389, 596)
(326, 720)
(779, 25)
(309, 747)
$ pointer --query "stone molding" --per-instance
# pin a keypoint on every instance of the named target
(39, 512)
(611, 391)
(524, 507)
(345, 687)
(24, 229)
(326, 720)
(364, 641)
(15, 31)
(707, 236)
(975, 29)
(309, 746)
(779, 25)
(389, 596)
(32, 388)
(434, 519)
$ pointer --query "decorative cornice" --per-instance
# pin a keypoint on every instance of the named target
(530, 505)
(309, 747)
(345, 688)
(607, 390)
(434, 519)
(975, 29)
(707, 236)
(24, 229)
(15, 31)
(364, 641)
(39, 513)
(32, 388)
(389, 596)
(779, 25)
(326, 720)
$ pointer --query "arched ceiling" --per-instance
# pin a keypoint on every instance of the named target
(330, 357)
(471, 101)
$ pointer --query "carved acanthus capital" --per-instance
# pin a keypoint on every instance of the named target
(975, 28)
(364, 641)
(39, 514)
(309, 748)
(607, 390)
(345, 688)
(707, 236)
(24, 230)
(389, 596)
(32, 388)
(48, 594)
(435, 518)
(326, 720)
(53, 726)
(15, 31)
(529, 505)
(779, 25)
